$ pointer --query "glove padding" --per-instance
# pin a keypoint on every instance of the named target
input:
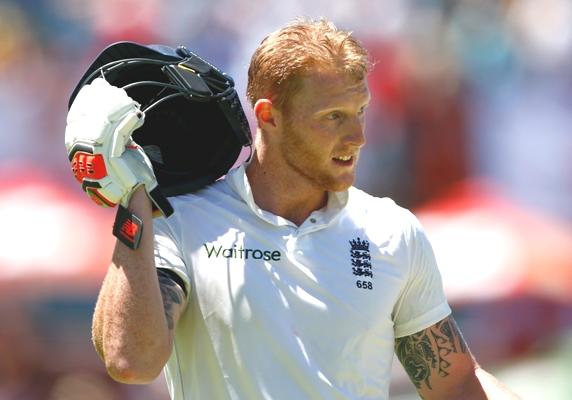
(106, 161)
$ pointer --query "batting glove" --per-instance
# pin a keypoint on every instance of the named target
(106, 161)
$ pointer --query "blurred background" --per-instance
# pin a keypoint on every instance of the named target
(469, 127)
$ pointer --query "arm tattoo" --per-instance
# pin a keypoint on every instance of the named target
(172, 294)
(425, 353)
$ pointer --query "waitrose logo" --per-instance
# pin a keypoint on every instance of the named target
(242, 253)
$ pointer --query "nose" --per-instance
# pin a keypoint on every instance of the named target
(356, 132)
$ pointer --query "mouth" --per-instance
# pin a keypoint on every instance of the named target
(346, 161)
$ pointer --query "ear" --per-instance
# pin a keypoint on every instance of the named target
(265, 114)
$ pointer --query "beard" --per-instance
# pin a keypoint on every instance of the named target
(308, 161)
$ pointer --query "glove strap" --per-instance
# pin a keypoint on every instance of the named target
(127, 228)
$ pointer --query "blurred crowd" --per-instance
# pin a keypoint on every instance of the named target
(463, 91)
(461, 88)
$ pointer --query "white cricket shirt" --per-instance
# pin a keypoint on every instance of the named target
(279, 311)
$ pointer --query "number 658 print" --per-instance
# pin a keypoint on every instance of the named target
(364, 285)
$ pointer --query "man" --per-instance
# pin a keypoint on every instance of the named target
(282, 281)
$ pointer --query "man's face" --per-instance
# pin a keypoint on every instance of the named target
(323, 129)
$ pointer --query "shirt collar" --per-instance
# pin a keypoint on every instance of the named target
(238, 181)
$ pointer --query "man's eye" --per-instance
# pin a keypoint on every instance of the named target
(333, 116)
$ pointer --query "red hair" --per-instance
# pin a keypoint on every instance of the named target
(284, 56)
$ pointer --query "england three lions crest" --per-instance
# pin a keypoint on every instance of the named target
(361, 262)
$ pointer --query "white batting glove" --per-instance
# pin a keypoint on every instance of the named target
(106, 161)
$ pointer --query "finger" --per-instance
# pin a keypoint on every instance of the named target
(122, 133)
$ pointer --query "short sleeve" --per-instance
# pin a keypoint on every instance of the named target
(166, 251)
(422, 301)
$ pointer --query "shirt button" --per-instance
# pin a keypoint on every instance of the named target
(313, 220)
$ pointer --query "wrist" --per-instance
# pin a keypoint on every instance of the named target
(132, 213)
(128, 228)
(140, 203)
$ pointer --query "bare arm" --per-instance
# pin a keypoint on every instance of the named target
(494, 388)
(441, 366)
(137, 309)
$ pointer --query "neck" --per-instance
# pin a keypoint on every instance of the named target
(277, 191)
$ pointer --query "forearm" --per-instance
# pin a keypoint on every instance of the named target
(478, 385)
(441, 366)
(130, 328)
(494, 389)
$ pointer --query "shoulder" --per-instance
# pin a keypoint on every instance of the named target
(214, 192)
(212, 198)
(381, 211)
(388, 224)
(360, 200)
(197, 205)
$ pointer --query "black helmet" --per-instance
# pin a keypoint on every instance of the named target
(194, 127)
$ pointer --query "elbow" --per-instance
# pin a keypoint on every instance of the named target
(133, 373)
(136, 367)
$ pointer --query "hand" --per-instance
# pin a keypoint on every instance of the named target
(106, 161)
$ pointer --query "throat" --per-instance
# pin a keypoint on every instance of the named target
(299, 213)
(285, 200)
(295, 208)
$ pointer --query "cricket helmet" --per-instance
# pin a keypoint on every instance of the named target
(195, 126)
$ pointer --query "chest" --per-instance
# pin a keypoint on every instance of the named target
(341, 278)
